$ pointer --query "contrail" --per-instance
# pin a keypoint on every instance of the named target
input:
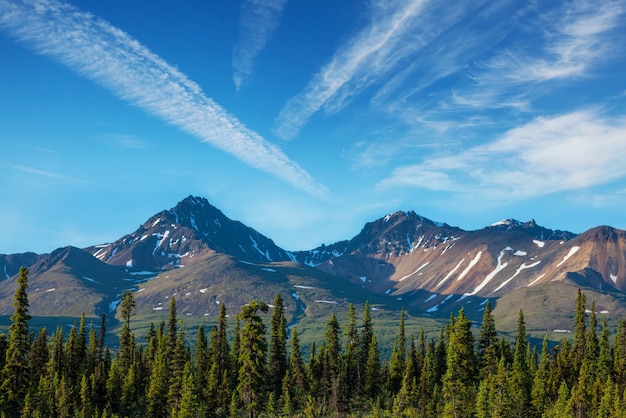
(107, 55)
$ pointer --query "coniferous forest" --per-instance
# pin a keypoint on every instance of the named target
(261, 371)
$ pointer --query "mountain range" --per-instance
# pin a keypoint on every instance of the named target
(402, 260)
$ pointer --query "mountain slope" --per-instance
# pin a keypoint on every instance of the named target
(69, 282)
(435, 268)
(10, 264)
(193, 228)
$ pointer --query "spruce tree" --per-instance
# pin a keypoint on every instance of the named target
(521, 379)
(372, 370)
(277, 347)
(176, 369)
(398, 358)
(540, 393)
(189, 404)
(460, 379)
(156, 396)
(487, 344)
(203, 367)
(351, 355)
(252, 358)
(16, 371)
(125, 353)
(297, 374)
(580, 331)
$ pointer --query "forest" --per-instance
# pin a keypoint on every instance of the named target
(255, 371)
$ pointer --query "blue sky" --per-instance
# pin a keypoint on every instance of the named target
(307, 119)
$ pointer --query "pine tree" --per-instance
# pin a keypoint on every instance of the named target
(540, 393)
(38, 357)
(562, 407)
(188, 407)
(16, 371)
(125, 353)
(459, 381)
(521, 379)
(203, 367)
(114, 388)
(351, 356)
(487, 344)
(156, 396)
(222, 372)
(580, 330)
(176, 368)
(373, 377)
(86, 403)
(277, 347)
(398, 358)
(252, 358)
(172, 327)
(604, 356)
(296, 374)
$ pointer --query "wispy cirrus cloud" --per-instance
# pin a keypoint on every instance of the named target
(46, 173)
(356, 65)
(439, 62)
(107, 55)
(258, 21)
(547, 155)
(575, 38)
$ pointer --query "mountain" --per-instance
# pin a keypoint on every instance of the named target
(193, 228)
(10, 264)
(69, 282)
(531, 228)
(435, 268)
(193, 252)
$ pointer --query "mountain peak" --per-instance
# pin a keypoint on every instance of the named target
(192, 228)
(531, 228)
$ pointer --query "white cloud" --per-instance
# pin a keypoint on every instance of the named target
(45, 173)
(105, 54)
(547, 155)
(362, 60)
(574, 39)
(258, 21)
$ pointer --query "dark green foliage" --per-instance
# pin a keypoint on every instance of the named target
(277, 348)
(252, 385)
(460, 380)
(74, 375)
(16, 371)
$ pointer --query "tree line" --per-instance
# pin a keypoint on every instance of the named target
(463, 372)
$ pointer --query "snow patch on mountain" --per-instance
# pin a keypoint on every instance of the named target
(539, 244)
(571, 252)
(499, 267)
(450, 273)
(415, 272)
(431, 297)
(612, 276)
(536, 280)
(256, 247)
(519, 269)
(469, 267)
(160, 239)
